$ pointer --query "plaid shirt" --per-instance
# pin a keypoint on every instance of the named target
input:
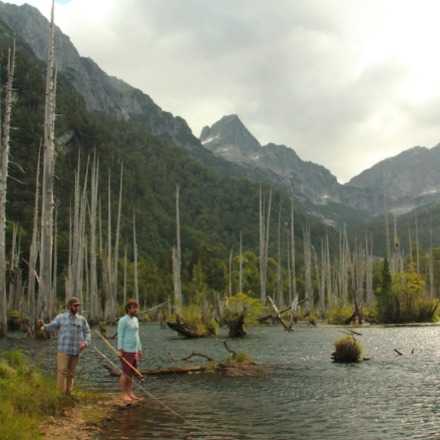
(73, 329)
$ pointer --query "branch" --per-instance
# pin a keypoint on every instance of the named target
(229, 349)
(195, 354)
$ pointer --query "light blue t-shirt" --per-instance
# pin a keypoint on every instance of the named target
(128, 334)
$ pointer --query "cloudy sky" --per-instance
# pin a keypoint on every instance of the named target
(346, 83)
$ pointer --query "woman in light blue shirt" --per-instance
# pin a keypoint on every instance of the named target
(130, 348)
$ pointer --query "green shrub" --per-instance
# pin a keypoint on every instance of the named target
(240, 303)
(339, 315)
(347, 350)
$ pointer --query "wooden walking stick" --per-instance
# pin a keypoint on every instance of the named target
(150, 395)
(139, 375)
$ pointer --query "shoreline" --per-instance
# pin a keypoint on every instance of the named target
(85, 419)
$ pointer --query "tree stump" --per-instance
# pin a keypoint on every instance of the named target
(236, 327)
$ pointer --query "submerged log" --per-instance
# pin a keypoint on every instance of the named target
(162, 371)
(186, 330)
(239, 364)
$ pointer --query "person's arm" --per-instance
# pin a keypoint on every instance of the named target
(138, 342)
(121, 330)
(87, 337)
(52, 326)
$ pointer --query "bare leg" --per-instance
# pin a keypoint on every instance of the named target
(72, 362)
(61, 372)
(123, 380)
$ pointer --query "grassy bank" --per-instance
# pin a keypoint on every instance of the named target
(28, 398)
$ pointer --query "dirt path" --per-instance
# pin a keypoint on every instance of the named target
(84, 420)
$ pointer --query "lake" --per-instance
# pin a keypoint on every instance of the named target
(305, 396)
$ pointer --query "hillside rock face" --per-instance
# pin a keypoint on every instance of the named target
(101, 92)
(410, 179)
(231, 140)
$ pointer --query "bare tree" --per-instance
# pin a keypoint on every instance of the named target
(33, 252)
(135, 263)
(308, 293)
(177, 259)
(231, 255)
(240, 273)
(264, 242)
(5, 128)
(95, 312)
(48, 202)
(280, 297)
(292, 251)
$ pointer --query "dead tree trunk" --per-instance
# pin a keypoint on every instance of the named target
(5, 127)
(177, 259)
(292, 252)
(48, 202)
(240, 274)
(308, 293)
(264, 242)
(280, 293)
(230, 273)
(135, 263)
(33, 253)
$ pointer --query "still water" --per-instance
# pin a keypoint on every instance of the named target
(304, 397)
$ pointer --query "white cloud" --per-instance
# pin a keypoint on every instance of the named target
(344, 82)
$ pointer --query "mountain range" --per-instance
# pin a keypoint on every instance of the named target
(408, 181)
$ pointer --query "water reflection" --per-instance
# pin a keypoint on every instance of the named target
(305, 397)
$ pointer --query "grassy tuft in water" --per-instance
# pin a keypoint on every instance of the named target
(347, 350)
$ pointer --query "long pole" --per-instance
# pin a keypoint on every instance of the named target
(97, 350)
(139, 375)
(109, 345)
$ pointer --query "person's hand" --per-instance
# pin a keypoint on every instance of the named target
(82, 346)
(120, 353)
(40, 324)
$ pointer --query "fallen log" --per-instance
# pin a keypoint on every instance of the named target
(196, 354)
(271, 316)
(186, 330)
(287, 327)
(162, 371)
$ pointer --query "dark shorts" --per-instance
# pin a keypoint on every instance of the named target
(130, 358)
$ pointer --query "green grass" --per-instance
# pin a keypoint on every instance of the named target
(26, 398)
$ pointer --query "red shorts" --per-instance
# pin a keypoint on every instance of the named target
(131, 358)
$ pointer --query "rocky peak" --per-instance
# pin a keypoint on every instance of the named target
(229, 137)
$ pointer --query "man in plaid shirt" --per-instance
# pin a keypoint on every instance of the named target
(73, 338)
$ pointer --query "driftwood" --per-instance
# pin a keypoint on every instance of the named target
(270, 316)
(230, 367)
(196, 354)
(162, 371)
(184, 329)
(279, 317)
(229, 349)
